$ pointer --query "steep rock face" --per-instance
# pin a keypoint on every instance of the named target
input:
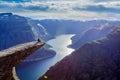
(10, 57)
(14, 30)
(101, 30)
(39, 30)
(98, 60)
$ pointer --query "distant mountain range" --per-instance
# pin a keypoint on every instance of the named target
(98, 31)
(96, 60)
(85, 31)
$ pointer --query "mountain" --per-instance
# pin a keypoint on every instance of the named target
(16, 29)
(38, 28)
(85, 31)
(58, 27)
(50, 28)
(96, 60)
(101, 30)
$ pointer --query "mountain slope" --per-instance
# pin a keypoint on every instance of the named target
(101, 30)
(97, 60)
(16, 29)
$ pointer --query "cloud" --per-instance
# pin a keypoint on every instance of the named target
(66, 9)
(104, 0)
(15, 0)
(23, 7)
(98, 8)
(36, 6)
(52, 5)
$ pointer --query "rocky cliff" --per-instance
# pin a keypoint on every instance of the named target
(16, 29)
(10, 57)
(97, 60)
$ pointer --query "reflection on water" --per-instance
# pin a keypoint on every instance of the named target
(33, 70)
(60, 46)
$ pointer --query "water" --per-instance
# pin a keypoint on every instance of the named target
(33, 70)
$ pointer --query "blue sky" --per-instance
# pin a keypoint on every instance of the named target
(63, 9)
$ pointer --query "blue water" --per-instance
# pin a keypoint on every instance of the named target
(33, 70)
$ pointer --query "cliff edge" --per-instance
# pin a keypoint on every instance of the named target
(12, 56)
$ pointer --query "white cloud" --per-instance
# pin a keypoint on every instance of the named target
(63, 9)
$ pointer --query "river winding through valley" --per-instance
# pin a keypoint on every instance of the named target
(33, 70)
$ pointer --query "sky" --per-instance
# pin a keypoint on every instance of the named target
(63, 9)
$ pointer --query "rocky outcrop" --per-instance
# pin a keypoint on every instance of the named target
(16, 29)
(97, 60)
(10, 57)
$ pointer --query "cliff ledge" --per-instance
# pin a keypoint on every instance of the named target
(12, 56)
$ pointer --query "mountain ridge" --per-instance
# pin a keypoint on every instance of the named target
(97, 60)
